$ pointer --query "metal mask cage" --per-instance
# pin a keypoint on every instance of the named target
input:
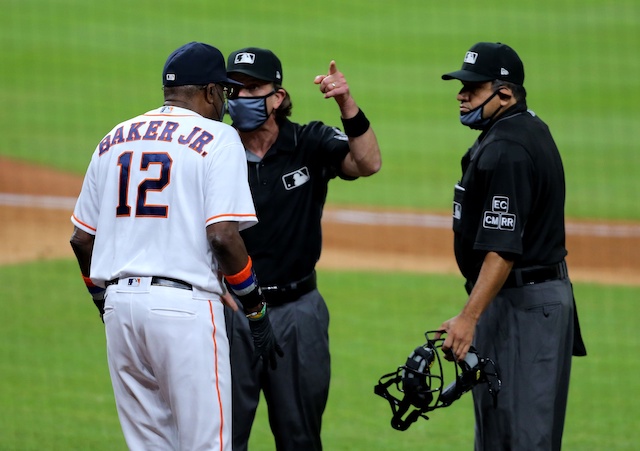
(420, 382)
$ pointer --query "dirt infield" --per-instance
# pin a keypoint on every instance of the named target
(35, 205)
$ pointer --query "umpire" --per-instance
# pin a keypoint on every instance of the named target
(509, 241)
(290, 166)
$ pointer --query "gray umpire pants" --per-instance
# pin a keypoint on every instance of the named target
(528, 332)
(297, 391)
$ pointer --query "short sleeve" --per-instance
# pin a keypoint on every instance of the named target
(505, 172)
(227, 192)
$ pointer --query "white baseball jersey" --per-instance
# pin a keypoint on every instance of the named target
(153, 185)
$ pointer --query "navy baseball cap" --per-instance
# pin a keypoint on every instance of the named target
(258, 63)
(195, 63)
(487, 61)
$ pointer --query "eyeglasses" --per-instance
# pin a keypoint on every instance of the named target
(228, 91)
(231, 92)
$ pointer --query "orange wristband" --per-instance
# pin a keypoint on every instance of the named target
(92, 287)
(88, 282)
(242, 275)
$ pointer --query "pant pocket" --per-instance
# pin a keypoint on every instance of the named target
(537, 332)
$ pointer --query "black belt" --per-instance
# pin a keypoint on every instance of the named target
(521, 277)
(530, 276)
(281, 294)
(159, 281)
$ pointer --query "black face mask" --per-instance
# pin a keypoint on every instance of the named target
(473, 118)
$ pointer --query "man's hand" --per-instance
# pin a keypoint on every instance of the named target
(460, 330)
(264, 341)
(333, 84)
(228, 300)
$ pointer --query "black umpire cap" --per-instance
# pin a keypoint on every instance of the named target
(258, 63)
(488, 61)
(195, 63)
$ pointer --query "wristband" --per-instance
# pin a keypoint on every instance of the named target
(243, 282)
(356, 126)
(95, 291)
(255, 316)
(244, 285)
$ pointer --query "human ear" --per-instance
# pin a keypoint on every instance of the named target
(279, 98)
(505, 93)
(210, 93)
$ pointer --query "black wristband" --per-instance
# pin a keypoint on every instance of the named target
(251, 299)
(248, 300)
(356, 126)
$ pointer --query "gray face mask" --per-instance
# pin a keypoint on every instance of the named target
(473, 118)
(249, 113)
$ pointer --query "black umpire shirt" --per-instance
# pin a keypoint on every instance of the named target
(289, 187)
(511, 197)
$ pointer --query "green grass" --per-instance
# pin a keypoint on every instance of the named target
(56, 394)
(72, 69)
(55, 391)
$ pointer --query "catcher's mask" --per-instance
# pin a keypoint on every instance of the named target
(421, 381)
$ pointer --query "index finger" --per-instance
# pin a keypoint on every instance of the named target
(438, 333)
(332, 67)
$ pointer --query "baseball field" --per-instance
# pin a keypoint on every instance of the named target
(71, 69)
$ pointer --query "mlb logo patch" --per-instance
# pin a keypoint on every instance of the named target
(296, 178)
(133, 281)
(471, 57)
(171, 77)
(245, 58)
(457, 210)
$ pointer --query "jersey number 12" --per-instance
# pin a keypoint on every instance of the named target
(148, 184)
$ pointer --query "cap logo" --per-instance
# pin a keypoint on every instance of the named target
(171, 77)
(504, 71)
(278, 76)
(471, 57)
(244, 58)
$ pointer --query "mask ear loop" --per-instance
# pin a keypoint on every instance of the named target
(211, 92)
(273, 91)
(501, 94)
(273, 111)
(223, 108)
(495, 93)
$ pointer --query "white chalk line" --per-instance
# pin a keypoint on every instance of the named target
(37, 201)
(429, 220)
(343, 216)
